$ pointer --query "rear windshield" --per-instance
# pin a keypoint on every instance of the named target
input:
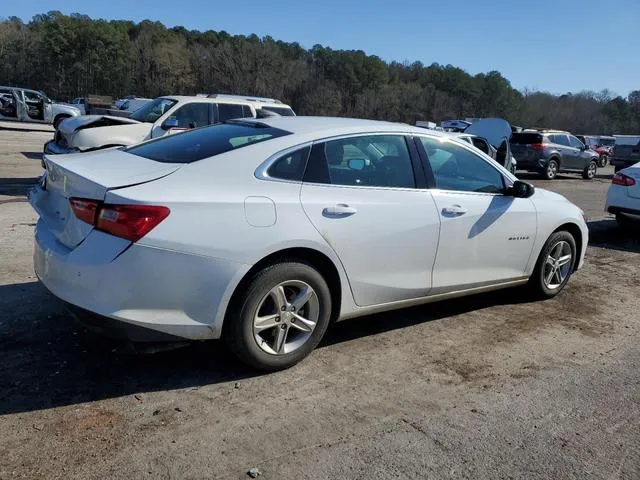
(205, 142)
(526, 138)
(284, 111)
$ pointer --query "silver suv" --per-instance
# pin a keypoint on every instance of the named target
(550, 152)
(24, 105)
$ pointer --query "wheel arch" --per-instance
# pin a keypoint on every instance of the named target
(576, 233)
(315, 258)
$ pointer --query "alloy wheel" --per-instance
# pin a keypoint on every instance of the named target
(286, 317)
(552, 169)
(591, 170)
(557, 265)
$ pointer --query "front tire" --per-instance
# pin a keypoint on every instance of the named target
(590, 170)
(281, 317)
(604, 161)
(555, 265)
(551, 170)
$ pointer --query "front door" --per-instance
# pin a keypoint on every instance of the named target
(8, 104)
(360, 194)
(485, 236)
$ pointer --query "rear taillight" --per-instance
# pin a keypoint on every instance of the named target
(131, 222)
(537, 146)
(85, 209)
(623, 180)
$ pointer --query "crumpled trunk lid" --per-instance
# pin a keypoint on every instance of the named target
(88, 176)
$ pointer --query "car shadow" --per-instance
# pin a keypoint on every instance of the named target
(607, 234)
(14, 187)
(50, 361)
(32, 155)
(35, 128)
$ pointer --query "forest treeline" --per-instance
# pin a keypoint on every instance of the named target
(73, 55)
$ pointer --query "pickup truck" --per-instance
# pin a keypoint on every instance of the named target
(626, 151)
(24, 105)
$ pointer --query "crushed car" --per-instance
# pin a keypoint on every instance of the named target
(31, 106)
(162, 116)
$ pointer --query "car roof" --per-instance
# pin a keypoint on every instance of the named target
(335, 126)
(222, 99)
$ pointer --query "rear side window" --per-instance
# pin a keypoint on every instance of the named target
(200, 143)
(526, 138)
(283, 111)
(229, 111)
(364, 161)
(291, 166)
(560, 139)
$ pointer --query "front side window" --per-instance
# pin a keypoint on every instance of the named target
(291, 166)
(229, 111)
(458, 169)
(194, 145)
(575, 143)
(33, 97)
(367, 161)
(192, 115)
(152, 111)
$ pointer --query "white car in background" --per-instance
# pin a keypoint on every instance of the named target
(263, 231)
(162, 116)
(623, 197)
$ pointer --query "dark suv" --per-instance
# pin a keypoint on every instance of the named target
(551, 152)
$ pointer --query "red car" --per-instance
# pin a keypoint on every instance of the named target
(600, 144)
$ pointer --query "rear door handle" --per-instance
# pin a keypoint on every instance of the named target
(454, 211)
(339, 210)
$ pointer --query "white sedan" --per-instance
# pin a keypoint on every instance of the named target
(623, 197)
(262, 232)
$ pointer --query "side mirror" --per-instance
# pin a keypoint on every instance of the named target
(356, 164)
(521, 189)
(169, 123)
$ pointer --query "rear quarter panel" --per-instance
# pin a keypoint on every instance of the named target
(208, 216)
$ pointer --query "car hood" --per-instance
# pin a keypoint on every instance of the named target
(92, 121)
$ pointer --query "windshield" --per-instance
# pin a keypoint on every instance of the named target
(152, 111)
(284, 111)
(205, 142)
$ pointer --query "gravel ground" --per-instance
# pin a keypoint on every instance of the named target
(491, 386)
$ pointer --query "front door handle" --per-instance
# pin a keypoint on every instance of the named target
(339, 210)
(453, 211)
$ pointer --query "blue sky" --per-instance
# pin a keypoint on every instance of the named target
(557, 46)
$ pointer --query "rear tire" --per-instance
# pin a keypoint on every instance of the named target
(270, 327)
(544, 283)
(590, 170)
(551, 169)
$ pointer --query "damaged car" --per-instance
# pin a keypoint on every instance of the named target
(31, 106)
(162, 116)
(491, 136)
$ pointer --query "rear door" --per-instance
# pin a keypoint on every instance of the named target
(362, 193)
(570, 155)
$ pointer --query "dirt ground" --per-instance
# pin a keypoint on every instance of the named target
(491, 386)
